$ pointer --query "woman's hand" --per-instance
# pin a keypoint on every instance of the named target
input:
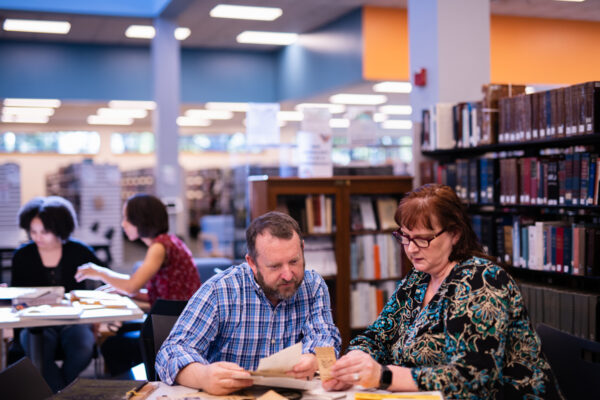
(355, 368)
(90, 271)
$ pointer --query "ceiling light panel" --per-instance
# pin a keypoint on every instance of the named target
(209, 114)
(28, 111)
(216, 105)
(396, 124)
(191, 121)
(246, 12)
(148, 32)
(392, 109)
(148, 105)
(24, 119)
(290, 116)
(269, 38)
(11, 102)
(358, 99)
(98, 120)
(333, 108)
(392, 87)
(122, 112)
(182, 33)
(36, 26)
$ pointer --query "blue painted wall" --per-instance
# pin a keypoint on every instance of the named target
(122, 8)
(322, 60)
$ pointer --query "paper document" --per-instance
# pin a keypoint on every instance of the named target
(277, 364)
(325, 359)
(49, 312)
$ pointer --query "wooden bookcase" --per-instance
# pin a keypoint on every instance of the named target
(265, 192)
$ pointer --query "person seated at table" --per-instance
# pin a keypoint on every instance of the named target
(456, 323)
(167, 272)
(251, 311)
(51, 258)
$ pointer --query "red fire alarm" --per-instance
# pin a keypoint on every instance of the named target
(421, 77)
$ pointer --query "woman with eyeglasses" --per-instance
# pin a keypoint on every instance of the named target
(456, 323)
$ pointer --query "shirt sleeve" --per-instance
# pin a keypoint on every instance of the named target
(19, 270)
(320, 331)
(378, 338)
(479, 328)
(191, 336)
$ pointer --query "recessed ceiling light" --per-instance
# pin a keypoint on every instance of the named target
(28, 111)
(339, 122)
(391, 109)
(98, 120)
(190, 121)
(182, 33)
(358, 99)
(573, 1)
(122, 112)
(290, 116)
(140, 32)
(333, 108)
(396, 124)
(148, 105)
(261, 37)
(392, 87)
(209, 114)
(36, 26)
(246, 12)
(379, 117)
(24, 119)
(217, 105)
(10, 102)
(148, 32)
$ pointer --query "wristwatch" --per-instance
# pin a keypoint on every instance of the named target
(385, 380)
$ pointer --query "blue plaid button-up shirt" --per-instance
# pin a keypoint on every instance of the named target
(230, 319)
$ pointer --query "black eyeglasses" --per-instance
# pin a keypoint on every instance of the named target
(421, 243)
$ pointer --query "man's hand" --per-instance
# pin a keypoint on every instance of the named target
(219, 378)
(306, 367)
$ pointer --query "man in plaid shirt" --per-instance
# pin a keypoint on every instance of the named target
(251, 311)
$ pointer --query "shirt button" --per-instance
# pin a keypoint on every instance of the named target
(272, 341)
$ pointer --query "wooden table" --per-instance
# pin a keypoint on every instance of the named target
(9, 319)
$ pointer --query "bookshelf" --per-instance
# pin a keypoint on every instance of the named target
(533, 197)
(268, 193)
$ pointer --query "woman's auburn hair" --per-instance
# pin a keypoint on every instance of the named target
(439, 203)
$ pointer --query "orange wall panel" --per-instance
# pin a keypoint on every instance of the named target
(551, 51)
(522, 50)
(385, 44)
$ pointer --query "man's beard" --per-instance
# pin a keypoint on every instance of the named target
(274, 292)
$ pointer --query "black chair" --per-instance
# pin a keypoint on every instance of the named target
(23, 381)
(209, 266)
(574, 361)
(156, 328)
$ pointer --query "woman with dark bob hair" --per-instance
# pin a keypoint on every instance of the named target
(456, 323)
(51, 258)
(167, 272)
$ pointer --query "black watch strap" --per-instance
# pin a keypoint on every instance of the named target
(385, 380)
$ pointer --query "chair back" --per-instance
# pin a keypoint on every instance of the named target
(161, 318)
(23, 381)
(574, 361)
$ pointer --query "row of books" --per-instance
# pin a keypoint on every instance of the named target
(319, 255)
(369, 213)
(314, 213)
(571, 312)
(568, 111)
(465, 124)
(569, 179)
(367, 301)
(375, 257)
(555, 246)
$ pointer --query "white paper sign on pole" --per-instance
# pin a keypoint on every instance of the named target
(262, 126)
(314, 154)
(363, 129)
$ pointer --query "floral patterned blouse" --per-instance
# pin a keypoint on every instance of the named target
(177, 278)
(473, 340)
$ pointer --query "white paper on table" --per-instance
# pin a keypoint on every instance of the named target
(49, 312)
(289, 382)
(281, 361)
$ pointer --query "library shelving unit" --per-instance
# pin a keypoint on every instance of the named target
(95, 192)
(559, 272)
(270, 193)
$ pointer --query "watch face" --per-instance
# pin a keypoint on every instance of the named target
(386, 377)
